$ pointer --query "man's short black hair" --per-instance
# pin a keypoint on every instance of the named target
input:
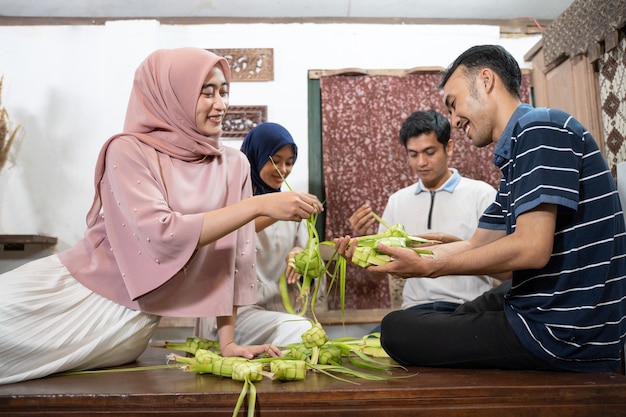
(494, 57)
(421, 122)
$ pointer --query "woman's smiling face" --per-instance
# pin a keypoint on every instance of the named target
(283, 159)
(212, 103)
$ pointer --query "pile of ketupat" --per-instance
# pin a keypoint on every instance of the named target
(315, 353)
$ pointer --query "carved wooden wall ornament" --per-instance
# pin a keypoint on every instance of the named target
(240, 120)
(249, 64)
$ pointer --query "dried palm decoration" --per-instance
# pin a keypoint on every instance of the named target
(7, 133)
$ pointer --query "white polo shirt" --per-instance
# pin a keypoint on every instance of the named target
(453, 208)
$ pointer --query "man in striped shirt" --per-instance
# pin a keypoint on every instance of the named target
(555, 231)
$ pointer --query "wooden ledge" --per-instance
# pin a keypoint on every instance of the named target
(27, 239)
(327, 318)
(177, 322)
(352, 316)
(19, 242)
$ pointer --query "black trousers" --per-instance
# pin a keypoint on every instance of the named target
(475, 335)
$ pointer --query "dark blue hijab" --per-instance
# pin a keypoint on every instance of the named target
(260, 143)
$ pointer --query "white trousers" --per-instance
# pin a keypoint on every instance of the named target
(50, 323)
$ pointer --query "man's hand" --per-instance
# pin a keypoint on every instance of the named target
(345, 246)
(362, 221)
(439, 237)
(406, 263)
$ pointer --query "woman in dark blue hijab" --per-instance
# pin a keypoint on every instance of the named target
(262, 143)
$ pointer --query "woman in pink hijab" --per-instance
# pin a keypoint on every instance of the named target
(170, 233)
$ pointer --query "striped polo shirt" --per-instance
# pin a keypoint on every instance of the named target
(572, 312)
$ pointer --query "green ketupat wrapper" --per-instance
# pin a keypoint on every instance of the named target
(288, 370)
(366, 253)
(314, 337)
(246, 370)
(330, 355)
(308, 264)
(192, 344)
(299, 351)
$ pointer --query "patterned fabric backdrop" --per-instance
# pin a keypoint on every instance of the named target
(613, 98)
(364, 161)
(581, 26)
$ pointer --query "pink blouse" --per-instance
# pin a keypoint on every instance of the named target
(141, 251)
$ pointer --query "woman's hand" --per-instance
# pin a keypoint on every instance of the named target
(290, 205)
(250, 351)
(228, 347)
(290, 272)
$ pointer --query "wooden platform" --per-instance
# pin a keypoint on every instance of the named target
(429, 392)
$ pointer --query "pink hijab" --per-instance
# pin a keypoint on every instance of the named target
(161, 109)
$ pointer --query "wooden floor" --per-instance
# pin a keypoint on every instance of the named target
(427, 392)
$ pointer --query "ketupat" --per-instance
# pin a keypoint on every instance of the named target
(288, 369)
(314, 270)
(307, 263)
(366, 253)
(201, 356)
(246, 372)
(298, 351)
(192, 344)
(330, 355)
(310, 265)
(368, 345)
(242, 370)
(239, 369)
(314, 338)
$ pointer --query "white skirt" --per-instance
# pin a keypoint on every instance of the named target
(257, 326)
(51, 323)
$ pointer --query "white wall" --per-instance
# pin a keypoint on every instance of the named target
(68, 86)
